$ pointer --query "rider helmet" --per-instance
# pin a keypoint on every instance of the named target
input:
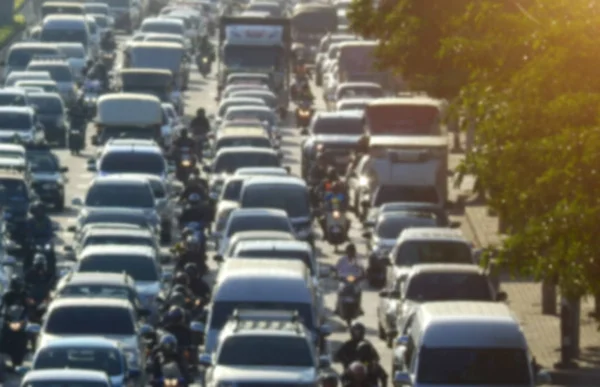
(364, 352)
(191, 270)
(168, 343)
(181, 278)
(350, 250)
(175, 315)
(177, 298)
(358, 371)
(357, 331)
(39, 261)
(200, 113)
(15, 283)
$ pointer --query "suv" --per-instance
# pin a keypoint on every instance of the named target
(48, 175)
(61, 73)
(130, 156)
(52, 114)
(19, 122)
(104, 317)
(284, 341)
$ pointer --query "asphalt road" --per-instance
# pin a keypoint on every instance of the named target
(201, 93)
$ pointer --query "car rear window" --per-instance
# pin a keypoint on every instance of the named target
(87, 320)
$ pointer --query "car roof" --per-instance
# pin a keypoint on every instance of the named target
(240, 100)
(118, 250)
(284, 245)
(241, 133)
(403, 214)
(446, 268)
(119, 179)
(145, 176)
(97, 278)
(265, 109)
(16, 109)
(258, 171)
(351, 101)
(93, 302)
(65, 375)
(132, 148)
(81, 342)
(432, 233)
(262, 236)
(12, 90)
(272, 212)
(339, 114)
(245, 149)
(127, 232)
(265, 92)
(12, 147)
(287, 180)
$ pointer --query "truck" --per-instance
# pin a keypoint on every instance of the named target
(256, 44)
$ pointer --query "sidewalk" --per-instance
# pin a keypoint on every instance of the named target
(542, 332)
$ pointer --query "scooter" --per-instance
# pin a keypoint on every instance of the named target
(204, 64)
(187, 163)
(336, 222)
(304, 113)
(75, 140)
(349, 296)
(14, 340)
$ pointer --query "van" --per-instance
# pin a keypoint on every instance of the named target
(66, 28)
(261, 284)
(464, 344)
(135, 115)
(20, 54)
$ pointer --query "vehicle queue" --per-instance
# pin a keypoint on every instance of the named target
(129, 301)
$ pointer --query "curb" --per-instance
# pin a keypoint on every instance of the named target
(474, 230)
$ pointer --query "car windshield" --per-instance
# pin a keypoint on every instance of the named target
(473, 366)
(361, 91)
(73, 51)
(232, 190)
(255, 142)
(250, 114)
(117, 240)
(98, 359)
(294, 255)
(87, 320)
(163, 28)
(232, 161)
(133, 196)
(13, 191)
(259, 57)
(99, 291)
(20, 58)
(140, 268)
(99, 9)
(57, 73)
(101, 21)
(431, 251)
(122, 218)
(42, 162)
(258, 223)
(221, 311)
(397, 193)
(293, 200)
(15, 121)
(63, 383)
(354, 106)
(133, 162)
(241, 102)
(268, 99)
(8, 99)
(64, 35)
(47, 105)
(428, 287)
(156, 58)
(391, 227)
(404, 120)
(336, 126)
(275, 351)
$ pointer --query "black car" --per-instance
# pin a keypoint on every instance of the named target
(52, 115)
(16, 195)
(47, 175)
(335, 134)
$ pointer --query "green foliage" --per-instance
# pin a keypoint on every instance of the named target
(7, 32)
(527, 72)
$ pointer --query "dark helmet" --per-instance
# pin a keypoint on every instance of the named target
(351, 249)
(15, 283)
(40, 262)
(37, 209)
(194, 200)
(193, 243)
(175, 314)
(364, 352)
(332, 174)
(191, 270)
(184, 132)
(357, 331)
(181, 278)
(200, 112)
(358, 370)
(177, 298)
(168, 343)
(329, 380)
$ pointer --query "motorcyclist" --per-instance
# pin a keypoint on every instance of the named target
(349, 265)
(195, 253)
(88, 66)
(196, 211)
(175, 323)
(205, 49)
(197, 285)
(78, 114)
(40, 232)
(200, 127)
(100, 73)
(376, 375)
(194, 185)
(15, 295)
(167, 352)
(300, 90)
(108, 43)
(184, 141)
(347, 353)
(38, 277)
(356, 376)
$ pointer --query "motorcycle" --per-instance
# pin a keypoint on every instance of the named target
(304, 113)
(349, 299)
(75, 141)
(14, 339)
(336, 222)
(108, 58)
(204, 65)
(187, 163)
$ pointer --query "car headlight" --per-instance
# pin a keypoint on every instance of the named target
(133, 358)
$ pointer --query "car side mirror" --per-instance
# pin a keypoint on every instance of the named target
(501, 297)
(543, 377)
(64, 169)
(454, 224)
(197, 327)
(218, 258)
(324, 362)
(77, 202)
(206, 169)
(367, 235)
(402, 379)
(205, 360)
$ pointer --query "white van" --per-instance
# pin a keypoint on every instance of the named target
(464, 344)
(67, 29)
(265, 284)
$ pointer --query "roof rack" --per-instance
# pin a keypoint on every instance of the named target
(268, 319)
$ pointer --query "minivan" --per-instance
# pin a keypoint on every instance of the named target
(66, 28)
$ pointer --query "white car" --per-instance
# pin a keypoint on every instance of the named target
(253, 219)
(172, 122)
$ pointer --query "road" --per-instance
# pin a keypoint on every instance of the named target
(201, 93)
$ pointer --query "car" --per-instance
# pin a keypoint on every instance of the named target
(256, 219)
(20, 53)
(85, 353)
(101, 285)
(285, 344)
(16, 201)
(227, 103)
(116, 218)
(114, 234)
(66, 377)
(17, 76)
(110, 318)
(286, 193)
(430, 283)
(47, 86)
(20, 122)
(352, 104)
(13, 96)
(236, 87)
(135, 195)
(10, 151)
(268, 97)
(234, 137)
(260, 113)
(358, 90)
(48, 176)
(228, 160)
(60, 72)
(442, 219)
(139, 262)
(30, 89)
(266, 236)
(130, 157)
